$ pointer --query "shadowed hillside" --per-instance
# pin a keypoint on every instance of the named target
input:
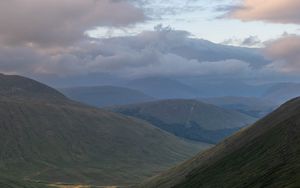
(266, 154)
(45, 136)
(189, 119)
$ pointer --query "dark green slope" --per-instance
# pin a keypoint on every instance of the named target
(189, 119)
(50, 138)
(17, 87)
(265, 155)
(101, 96)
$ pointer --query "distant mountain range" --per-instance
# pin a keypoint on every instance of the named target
(163, 88)
(266, 154)
(189, 119)
(45, 137)
(282, 92)
(256, 107)
(101, 96)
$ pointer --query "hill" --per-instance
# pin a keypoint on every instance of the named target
(282, 92)
(163, 88)
(251, 106)
(17, 87)
(101, 96)
(49, 138)
(266, 154)
(189, 119)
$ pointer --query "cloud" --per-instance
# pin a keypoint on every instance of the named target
(162, 52)
(285, 52)
(251, 41)
(162, 9)
(277, 11)
(61, 22)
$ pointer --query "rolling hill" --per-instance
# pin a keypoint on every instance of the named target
(266, 154)
(189, 119)
(101, 96)
(251, 106)
(48, 138)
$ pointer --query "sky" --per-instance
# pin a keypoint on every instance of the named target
(245, 40)
(203, 19)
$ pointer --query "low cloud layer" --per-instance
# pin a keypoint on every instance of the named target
(285, 52)
(277, 11)
(163, 52)
(60, 22)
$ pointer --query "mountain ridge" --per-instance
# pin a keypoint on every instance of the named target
(188, 118)
(52, 139)
(265, 154)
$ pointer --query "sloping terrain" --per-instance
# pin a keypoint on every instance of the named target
(46, 137)
(266, 154)
(189, 119)
(251, 106)
(101, 96)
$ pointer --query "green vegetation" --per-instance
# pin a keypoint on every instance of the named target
(264, 155)
(48, 138)
(9, 182)
(189, 119)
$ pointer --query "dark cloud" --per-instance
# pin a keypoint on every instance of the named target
(60, 22)
(163, 52)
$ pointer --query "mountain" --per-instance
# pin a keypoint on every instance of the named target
(251, 106)
(48, 138)
(101, 96)
(163, 88)
(189, 119)
(16, 87)
(266, 154)
(282, 92)
(218, 87)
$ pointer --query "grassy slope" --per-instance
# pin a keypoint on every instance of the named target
(52, 139)
(264, 155)
(189, 119)
(9, 182)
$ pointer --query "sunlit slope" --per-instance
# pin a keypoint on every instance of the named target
(265, 155)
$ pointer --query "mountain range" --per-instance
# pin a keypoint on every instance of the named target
(189, 119)
(101, 96)
(281, 92)
(263, 155)
(47, 138)
(252, 106)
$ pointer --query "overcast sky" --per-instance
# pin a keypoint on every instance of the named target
(140, 38)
